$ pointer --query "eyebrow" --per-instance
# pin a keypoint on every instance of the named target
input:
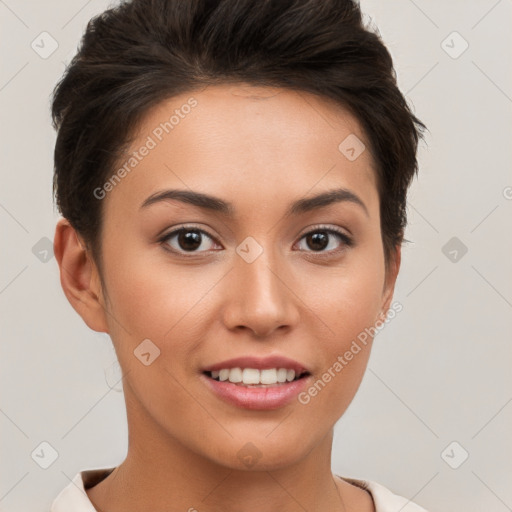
(215, 204)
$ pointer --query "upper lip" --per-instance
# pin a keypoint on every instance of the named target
(259, 363)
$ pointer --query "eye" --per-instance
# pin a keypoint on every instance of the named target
(186, 239)
(320, 238)
(190, 239)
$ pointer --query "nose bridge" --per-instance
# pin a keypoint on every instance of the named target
(260, 300)
(258, 272)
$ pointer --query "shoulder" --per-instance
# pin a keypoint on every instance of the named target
(384, 499)
(73, 496)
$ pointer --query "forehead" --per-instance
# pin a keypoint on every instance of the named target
(252, 143)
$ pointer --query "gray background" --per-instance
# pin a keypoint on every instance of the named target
(439, 372)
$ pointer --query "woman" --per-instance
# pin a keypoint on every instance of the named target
(232, 177)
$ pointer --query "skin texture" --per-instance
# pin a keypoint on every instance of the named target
(261, 149)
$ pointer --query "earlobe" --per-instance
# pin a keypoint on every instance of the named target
(79, 276)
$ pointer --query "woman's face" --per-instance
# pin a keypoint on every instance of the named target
(260, 279)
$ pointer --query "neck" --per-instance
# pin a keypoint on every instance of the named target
(160, 472)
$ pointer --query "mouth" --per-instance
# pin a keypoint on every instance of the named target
(257, 383)
(256, 378)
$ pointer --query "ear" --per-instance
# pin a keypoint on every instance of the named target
(79, 276)
(390, 280)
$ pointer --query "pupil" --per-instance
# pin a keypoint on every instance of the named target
(189, 237)
(319, 240)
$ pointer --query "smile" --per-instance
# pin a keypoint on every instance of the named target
(253, 377)
(257, 383)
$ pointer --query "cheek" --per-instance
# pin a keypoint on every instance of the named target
(356, 310)
(350, 313)
(152, 298)
(349, 300)
(168, 305)
(350, 308)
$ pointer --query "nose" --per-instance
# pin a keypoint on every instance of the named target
(259, 298)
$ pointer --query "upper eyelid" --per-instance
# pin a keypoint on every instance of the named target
(315, 227)
(310, 229)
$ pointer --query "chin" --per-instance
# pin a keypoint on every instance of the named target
(261, 453)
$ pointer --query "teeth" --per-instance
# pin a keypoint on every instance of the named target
(235, 375)
(253, 376)
(250, 376)
(268, 376)
(281, 374)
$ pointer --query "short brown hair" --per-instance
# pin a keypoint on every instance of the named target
(141, 52)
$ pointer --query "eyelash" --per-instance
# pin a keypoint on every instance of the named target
(347, 241)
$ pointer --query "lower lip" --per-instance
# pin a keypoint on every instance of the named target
(271, 397)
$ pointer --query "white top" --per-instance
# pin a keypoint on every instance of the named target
(73, 497)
